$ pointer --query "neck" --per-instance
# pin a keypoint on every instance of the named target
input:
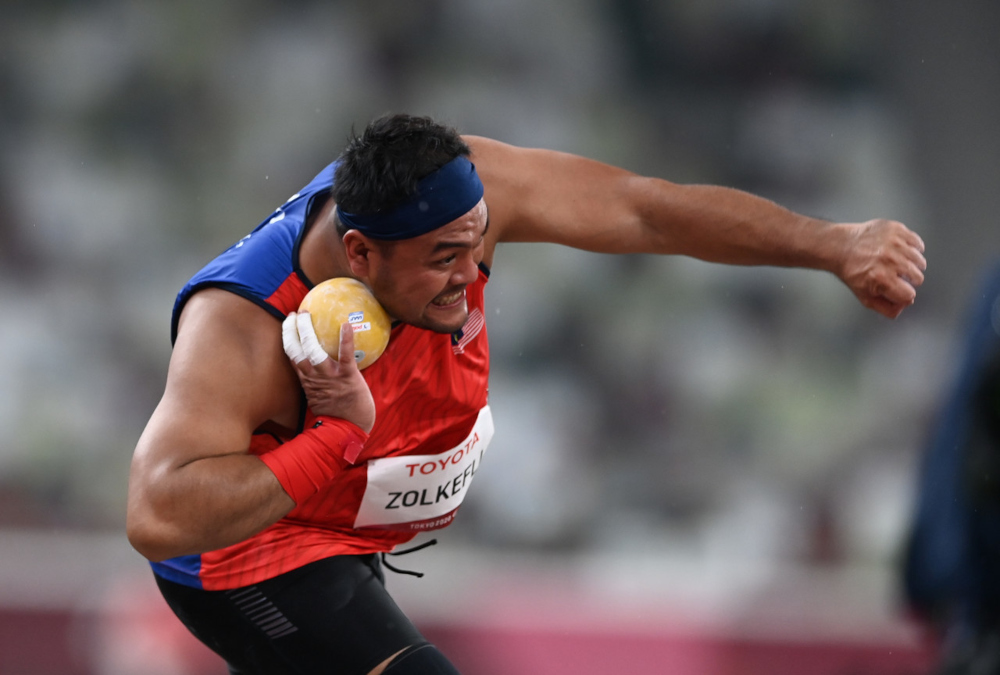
(322, 253)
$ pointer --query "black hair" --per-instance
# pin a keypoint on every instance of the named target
(381, 168)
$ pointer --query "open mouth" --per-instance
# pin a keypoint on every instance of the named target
(449, 300)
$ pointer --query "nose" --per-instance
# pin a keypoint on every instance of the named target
(465, 273)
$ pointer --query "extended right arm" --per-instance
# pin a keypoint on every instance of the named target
(541, 195)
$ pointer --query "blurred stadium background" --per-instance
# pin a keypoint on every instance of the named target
(718, 485)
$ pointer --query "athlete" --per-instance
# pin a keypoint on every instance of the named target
(270, 476)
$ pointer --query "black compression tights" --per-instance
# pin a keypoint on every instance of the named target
(331, 616)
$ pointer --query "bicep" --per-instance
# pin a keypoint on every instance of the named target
(537, 195)
(221, 385)
(193, 484)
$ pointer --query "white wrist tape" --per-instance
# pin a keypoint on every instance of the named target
(290, 339)
(307, 338)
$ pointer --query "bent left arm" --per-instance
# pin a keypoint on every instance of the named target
(542, 195)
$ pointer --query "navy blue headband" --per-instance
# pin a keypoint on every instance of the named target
(441, 197)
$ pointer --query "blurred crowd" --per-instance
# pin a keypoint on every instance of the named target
(758, 414)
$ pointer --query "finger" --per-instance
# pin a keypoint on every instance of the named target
(916, 241)
(290, 339)
(899, 291)
(912, 274)
(886, 307)
(919, 261)
(310, 343)
(347, 345)
(915, 255)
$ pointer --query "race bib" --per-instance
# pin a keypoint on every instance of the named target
(422, 492)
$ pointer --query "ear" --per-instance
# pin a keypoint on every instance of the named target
(358, 249)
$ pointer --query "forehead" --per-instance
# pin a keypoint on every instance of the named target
(464, 231)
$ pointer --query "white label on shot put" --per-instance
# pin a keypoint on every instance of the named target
(422, 492)
(355, 317)
(359, 327)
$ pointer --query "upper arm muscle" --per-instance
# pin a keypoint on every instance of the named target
(227, 375)
(544, 195)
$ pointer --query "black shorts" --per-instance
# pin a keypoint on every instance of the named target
(330, 616)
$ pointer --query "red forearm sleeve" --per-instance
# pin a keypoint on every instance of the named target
(309, 461)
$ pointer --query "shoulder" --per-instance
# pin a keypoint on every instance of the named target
(228, 349)
(540, 195)
(484, 147)
(504, 170)
(498, 162)
(224, 314)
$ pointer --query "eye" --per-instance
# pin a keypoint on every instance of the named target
(447, 261)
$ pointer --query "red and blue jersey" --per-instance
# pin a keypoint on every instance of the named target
(263, 266)
(432, 420)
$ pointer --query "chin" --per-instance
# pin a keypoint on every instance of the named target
(439, 327)
(437, 321)
(444, 325)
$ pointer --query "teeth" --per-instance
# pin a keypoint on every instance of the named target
(448, 299)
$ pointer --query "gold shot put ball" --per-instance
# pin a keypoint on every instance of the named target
(343, 300)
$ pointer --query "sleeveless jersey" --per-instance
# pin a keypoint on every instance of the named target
(432, 420)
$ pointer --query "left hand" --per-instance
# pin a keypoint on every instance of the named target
(883, 265)
(333, 386)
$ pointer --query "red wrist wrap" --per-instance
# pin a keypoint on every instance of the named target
(309, 461)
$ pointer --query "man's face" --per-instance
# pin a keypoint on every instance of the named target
(422, 281)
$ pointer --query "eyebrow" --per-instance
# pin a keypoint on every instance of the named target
(442, 245)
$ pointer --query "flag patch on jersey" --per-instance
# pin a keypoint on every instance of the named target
(465, 335)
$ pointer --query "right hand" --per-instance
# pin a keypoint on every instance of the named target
(883, 265)
(334, 387)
